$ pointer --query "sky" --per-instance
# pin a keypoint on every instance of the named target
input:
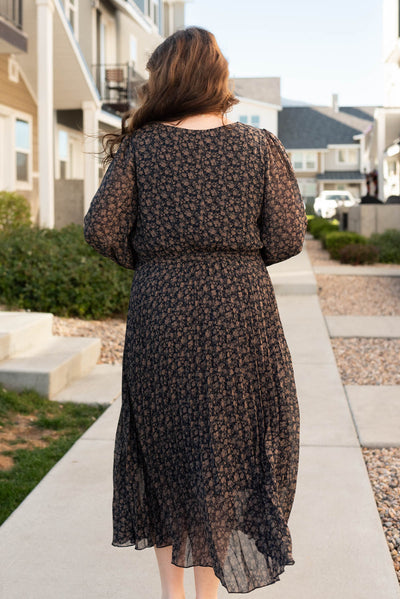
(317, 48)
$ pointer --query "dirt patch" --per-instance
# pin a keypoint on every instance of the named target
(21, 433)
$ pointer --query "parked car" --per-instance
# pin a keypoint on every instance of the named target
(326, 203)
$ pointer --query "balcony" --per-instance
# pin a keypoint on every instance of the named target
(117, 85)
(12, 37)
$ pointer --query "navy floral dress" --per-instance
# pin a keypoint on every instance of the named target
(207, 444)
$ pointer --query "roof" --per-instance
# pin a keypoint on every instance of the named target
(261, 89)
(341, 175)
(317, 126)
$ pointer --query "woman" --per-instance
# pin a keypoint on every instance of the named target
(206, 449)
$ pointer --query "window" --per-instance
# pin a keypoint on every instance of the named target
(347, 156)
(255, 120)
(63, 153)
(311, 160)
(297, 160)
(22, 147)
(243, 118)
(392, 168)
(71, 11)
(304, 161)
(152, 10)
(352, 156)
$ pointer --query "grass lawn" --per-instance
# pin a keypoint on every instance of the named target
(35, 433)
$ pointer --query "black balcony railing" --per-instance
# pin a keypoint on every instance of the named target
(11, 10)
(117, 85)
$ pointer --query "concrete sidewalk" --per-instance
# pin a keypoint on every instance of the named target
(57, 544)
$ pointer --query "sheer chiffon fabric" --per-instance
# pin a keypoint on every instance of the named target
(207, 444)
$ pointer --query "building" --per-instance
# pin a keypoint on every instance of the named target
(325, 144)
(260, 101)
(68, 71)
(383, 139)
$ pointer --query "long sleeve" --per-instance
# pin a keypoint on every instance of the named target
(110, 221)
(283, 220)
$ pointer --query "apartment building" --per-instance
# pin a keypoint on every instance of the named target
(325, 144)
(68, 70)
(383, 141)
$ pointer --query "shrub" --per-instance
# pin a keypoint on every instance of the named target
(338, 239)
(56, 271)
(318, 227)
(310, 217)
(14, 210)
(359, 253)
(388, 244)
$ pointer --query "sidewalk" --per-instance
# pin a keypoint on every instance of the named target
(57, 544)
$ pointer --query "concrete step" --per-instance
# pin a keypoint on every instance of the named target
(102, 385)
(364, 326)
(51, 368)
(22, 331)
(376, 411)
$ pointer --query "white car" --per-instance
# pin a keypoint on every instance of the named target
(326, 203)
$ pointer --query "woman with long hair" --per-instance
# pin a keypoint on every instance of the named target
(207, 443)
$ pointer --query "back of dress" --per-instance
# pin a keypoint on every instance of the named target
(207, 445)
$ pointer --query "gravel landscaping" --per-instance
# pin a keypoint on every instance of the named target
(368, 361)
(359, 296)
(383, 467)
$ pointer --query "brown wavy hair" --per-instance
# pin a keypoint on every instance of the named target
(188, 75)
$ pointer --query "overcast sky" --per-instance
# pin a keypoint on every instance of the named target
(317, 48)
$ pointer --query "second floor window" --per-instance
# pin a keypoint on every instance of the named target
(304, 161)
(347, 156)
(152, 10)
(71, 11)
(243, 118)
(255, 120)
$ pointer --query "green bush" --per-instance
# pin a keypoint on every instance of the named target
(319, 227)
(359, 253)
(388, 244)
(49, 270)
(14, 210)
(336, 240)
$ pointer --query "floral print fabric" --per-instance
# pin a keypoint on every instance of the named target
(207, 443)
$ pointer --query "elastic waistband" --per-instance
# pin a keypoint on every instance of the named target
(196, 255)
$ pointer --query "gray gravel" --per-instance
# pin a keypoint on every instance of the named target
(368, 361)
(383, 467)
(359, 296)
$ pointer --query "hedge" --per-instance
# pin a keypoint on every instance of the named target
(336, 240)
(49, 270)
(319, 227)
(359, 253)
(388, 244)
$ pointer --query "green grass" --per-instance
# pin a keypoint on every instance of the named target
(67, 422)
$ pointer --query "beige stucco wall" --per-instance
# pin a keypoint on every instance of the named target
(373, 218)
(68, 202)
